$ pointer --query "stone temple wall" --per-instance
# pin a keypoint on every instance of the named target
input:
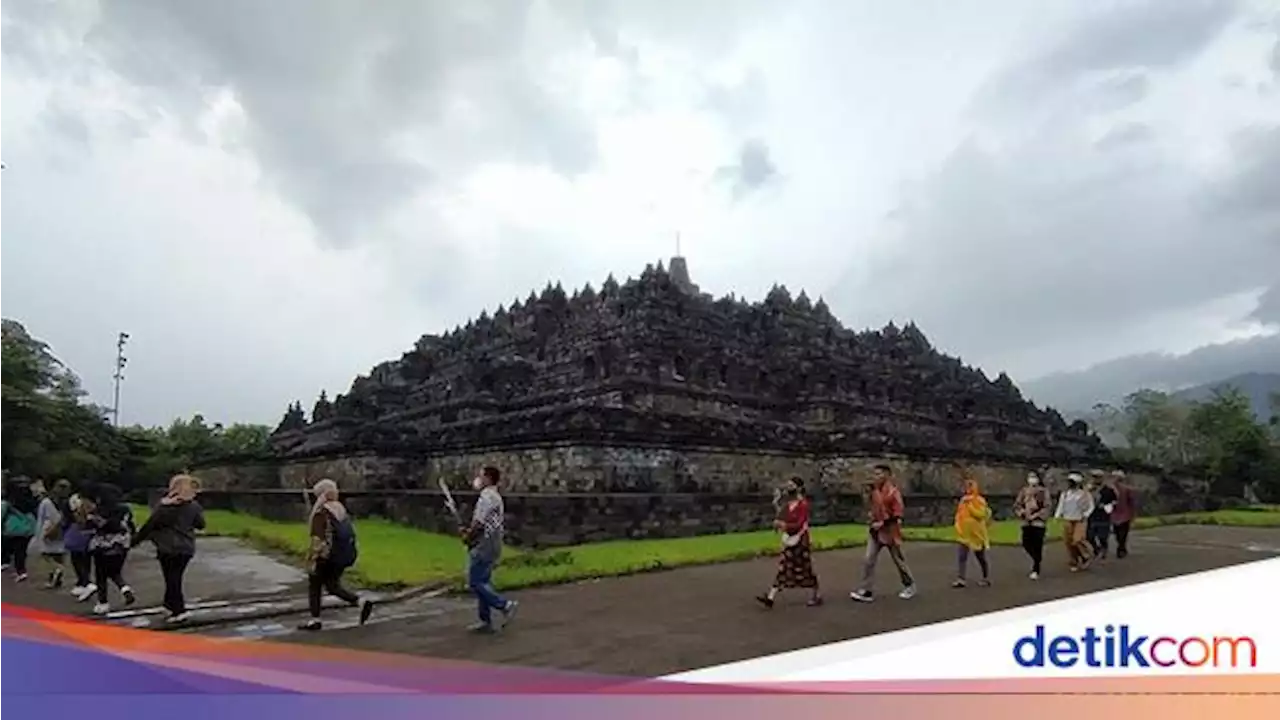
(569, 494)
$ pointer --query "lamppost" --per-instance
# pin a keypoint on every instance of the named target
(121, 360)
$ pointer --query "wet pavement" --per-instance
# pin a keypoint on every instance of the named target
(667, 622)
(652, 624)
(225, 576)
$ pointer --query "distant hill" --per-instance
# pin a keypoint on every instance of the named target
(1258, 387)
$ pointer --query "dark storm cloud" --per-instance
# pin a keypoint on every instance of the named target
(329, 89)
(750, 172)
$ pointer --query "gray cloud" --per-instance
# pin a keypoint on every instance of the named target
(1268, 310)
(1111, 381)
(750, 172)
(1121, 91)
(1141, 34)
(1031, 247)
(1125, 135)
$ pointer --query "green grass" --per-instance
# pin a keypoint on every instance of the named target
(398, 556)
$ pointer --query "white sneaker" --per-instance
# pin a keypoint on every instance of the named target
(1034, 576)
(75, 591)
(101, 609)
(861, 596)
(86, 592)
(908, 592)
(179, 618)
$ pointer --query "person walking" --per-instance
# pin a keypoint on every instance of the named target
(1074, 507)
(333, 549)
(973, 515)
(172, 529)
(1123, 513)
(483, 538)
(19, 525)
(887, 509)
(47, 544)
(1104, 500)
(1032, 508)
(76, 535)
(795, 566)
(113, 531)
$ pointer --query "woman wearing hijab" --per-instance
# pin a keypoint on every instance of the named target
(1032, 508)
(113, 532)
(50, 522)
(795, 567)
(332, 551)
(172, 529)
(972, 516)
(1074, 507)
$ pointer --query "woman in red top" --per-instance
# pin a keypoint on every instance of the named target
(795, 567)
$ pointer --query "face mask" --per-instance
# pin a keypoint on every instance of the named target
(477, 483)
(1033, 480)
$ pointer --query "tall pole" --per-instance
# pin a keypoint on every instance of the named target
(121, 360)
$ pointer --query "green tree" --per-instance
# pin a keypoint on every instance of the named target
(1234, 448)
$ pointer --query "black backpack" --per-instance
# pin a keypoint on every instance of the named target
(344, 552)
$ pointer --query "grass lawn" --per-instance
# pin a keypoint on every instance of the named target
(398, 556)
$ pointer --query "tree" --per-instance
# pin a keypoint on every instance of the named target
(1233, 446)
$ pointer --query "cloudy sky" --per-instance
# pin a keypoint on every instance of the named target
(271, 197)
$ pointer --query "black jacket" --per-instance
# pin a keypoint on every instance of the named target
(172, 528)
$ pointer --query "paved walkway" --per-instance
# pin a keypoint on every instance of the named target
(658, 623)
(224, 572)
(668, 622)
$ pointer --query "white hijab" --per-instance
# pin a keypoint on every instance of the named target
(326, 492)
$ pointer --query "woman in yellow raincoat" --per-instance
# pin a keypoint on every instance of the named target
(972, 518)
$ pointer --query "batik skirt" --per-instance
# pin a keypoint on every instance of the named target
(795, 568)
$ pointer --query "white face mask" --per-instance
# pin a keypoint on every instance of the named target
(477, 483)
(1033, 480)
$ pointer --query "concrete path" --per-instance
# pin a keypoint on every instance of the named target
(652, 624)
(663, 623)
(225, 573)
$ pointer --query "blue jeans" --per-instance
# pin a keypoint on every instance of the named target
(479, 578)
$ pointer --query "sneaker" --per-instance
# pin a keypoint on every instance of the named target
(509, 612)
(86, 592)
(861, 596)
(366, 609)
(481, 628)
(129, 597)
(5, 567)
(814, 602)
(908, 592)
(181, 617)
(20, 577)
(958, 583)
(984, 583)
(1034, 575)
(765, 600)
(310, 625)
(1075, 568)
(101, 608)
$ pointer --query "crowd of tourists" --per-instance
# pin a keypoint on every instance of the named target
(1089, 513)
(93, 529)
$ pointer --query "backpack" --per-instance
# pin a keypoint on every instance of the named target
(18, 523)
(344, 552)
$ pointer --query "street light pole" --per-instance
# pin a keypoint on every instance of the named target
(121, 360)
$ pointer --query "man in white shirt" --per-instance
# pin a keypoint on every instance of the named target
(484, 543)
